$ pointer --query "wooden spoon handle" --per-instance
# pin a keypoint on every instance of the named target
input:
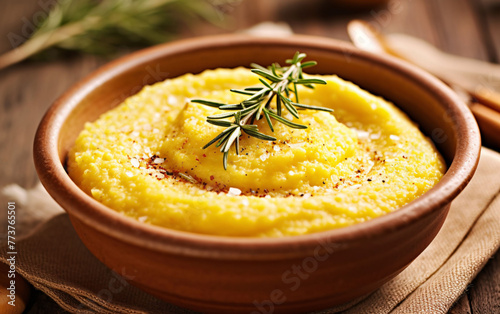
(488, 98)
(489, 124)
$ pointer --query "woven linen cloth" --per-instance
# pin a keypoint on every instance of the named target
(53, 259)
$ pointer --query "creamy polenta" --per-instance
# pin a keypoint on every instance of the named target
(145, 159)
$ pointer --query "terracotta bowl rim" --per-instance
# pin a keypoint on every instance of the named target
(83, 207)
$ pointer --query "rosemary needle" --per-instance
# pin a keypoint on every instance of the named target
(102, 27)
(278, 83)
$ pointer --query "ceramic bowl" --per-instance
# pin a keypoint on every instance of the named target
(291, 274)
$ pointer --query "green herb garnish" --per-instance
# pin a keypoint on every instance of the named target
(103, 27)
(279, 83)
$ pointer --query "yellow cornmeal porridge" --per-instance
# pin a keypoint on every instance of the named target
(145, 160)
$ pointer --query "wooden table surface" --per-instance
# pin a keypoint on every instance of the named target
(469, 28)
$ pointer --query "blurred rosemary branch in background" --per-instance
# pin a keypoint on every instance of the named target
(102, 27)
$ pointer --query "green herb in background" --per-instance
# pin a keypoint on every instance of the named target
(101, 27)
(279, 83)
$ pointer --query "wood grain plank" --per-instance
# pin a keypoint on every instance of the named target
(461, 31)
(484, 294)
(26, 92)
(459, 28)
(489, 14)
(315, 17)
(462, 306)
(413, 18)
(16, 21)
(489, 11)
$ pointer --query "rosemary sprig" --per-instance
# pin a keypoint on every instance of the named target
(102, 27)
(279, 83)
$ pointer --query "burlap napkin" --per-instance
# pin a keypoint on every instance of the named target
(53, 259)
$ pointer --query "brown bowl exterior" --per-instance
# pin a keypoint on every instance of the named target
(292, 274)
(330, 274)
